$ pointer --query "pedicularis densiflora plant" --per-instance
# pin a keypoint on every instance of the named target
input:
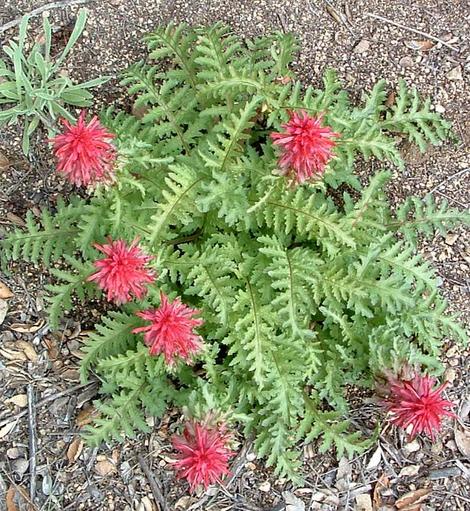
(253, 276)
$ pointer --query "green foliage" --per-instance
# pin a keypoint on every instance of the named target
(32, 85)
(303, 290)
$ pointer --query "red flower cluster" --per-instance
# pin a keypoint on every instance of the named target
(84, 152)
(171, 330)
(203, 454)
(123, 271)
(414, 402)
(306, 146)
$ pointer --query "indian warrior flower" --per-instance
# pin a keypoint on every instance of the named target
(84, 152)
(306, 146)
(171, 330)
(416, 402)
(203, 453)
(123, 272)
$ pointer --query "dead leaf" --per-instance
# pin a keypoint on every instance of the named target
(412, 446)
(184, 502)
(5, 292)
(28, 350)
(17, 499)
(105, 468)
(382, 484)
(15, 356)
(363, 502)
(8, 428)
(75, 449)
(409, 471)
(344, 468)
(86, 416)
(462, 439)
(375, 459)
(23, 328)
(71, 375)
(424, 45)
(390, 99)
(52, 349)
(4, 162)
(140, 111)
(3, 310)
(283, 80)
(11, 506)
(15, 219)
(20, 400)
(412, 498)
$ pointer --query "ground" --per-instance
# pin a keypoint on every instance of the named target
(347, 36)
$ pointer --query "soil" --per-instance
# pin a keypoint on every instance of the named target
(339, 34)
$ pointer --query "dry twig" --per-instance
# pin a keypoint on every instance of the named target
(338, 16)
(154, 484)
(47, 399)
(419, 32)
(32, 441)
(40, 10)
(453, 176)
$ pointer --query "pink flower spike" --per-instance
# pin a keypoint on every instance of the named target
(203, 454)
(306, 146)
(414, 402)
(171, 330)
(122, 273)
(84, 153)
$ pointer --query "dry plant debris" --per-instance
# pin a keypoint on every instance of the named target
(363, 48)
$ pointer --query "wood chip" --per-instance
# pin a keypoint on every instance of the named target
(406, 62)
(362, 46)
(184, 502)
(20, 400)
(3, 310)
(265, 487)
(363, 503)
(455, 74)
(412, 446)
(450, 239)
(5, 291)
